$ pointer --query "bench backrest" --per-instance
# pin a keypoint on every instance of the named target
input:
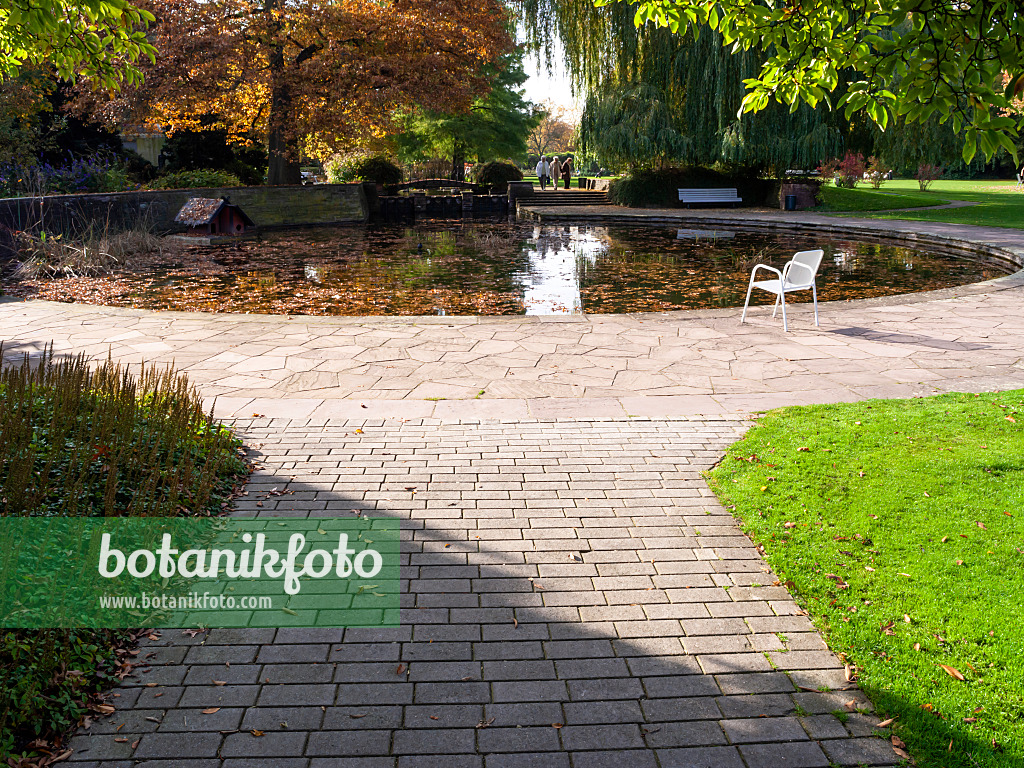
(708, 194)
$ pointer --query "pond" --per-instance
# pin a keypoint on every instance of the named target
(515, 269)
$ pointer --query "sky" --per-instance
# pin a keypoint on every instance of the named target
(552, 85)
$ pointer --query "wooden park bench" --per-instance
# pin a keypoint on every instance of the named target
(690, 196)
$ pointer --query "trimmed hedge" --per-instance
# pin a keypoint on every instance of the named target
(659, 188)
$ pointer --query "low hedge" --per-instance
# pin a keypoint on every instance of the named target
(83, 441)
(193, 179)
(659, 188)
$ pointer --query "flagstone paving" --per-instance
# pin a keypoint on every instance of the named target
(574, 595)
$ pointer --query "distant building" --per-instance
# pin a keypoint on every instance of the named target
(145, 141)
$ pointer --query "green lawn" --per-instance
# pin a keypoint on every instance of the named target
(999, 203)
(898, 526)
(864, 198)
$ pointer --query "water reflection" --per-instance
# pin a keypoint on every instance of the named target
(500, 269)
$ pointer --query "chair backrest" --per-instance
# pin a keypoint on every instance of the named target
(806, 263)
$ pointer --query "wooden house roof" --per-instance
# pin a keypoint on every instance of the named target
(200, 211)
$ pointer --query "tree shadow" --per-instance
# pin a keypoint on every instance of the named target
(910, 338)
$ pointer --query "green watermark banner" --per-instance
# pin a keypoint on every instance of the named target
(198, 572)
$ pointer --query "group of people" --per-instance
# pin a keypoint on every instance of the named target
(550, 171)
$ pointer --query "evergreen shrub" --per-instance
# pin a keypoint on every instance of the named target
(497, 174)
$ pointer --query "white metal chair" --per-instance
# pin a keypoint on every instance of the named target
(805, 264)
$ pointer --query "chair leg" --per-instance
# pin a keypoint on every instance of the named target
(785, 324)
(750, 288)
(814, 292)
(775, 307)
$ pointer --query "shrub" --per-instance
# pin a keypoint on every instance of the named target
(81, 441)
(659, 188)
(95, 174)
(497, 174)
(210, 149)
(878, 172)
(926, 174)
(360, 166)
(193, 179)
(847, 172)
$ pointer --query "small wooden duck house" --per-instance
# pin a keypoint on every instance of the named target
(213, 216)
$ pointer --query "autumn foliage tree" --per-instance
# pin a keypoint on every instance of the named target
(554, 134)
(310, 75)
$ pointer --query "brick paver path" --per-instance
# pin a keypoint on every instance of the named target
(576, 597)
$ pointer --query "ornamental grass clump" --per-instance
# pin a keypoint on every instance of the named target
(79, 440)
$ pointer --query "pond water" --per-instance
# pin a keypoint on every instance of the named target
(510, 269)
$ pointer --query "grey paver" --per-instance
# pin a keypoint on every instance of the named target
(550, 640)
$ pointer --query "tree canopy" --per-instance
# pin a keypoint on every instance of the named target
(654, 97)
(102, 40)
(914, 59)
(495, 125)
(311, 76)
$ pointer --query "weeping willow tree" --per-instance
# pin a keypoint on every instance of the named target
(654, 97)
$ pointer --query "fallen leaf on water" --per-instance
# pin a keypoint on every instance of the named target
(952, 672)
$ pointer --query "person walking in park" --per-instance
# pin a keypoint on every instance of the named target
(567, 171)
(556, 170)
(543, 171)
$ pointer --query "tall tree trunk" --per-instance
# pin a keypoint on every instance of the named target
(459, 162)
(282, 145)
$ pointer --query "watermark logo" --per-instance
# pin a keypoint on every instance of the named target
(187, 572)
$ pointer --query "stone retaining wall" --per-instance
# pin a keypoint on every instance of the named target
(267, 206)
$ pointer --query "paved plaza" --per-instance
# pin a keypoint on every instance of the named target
(574, 595)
